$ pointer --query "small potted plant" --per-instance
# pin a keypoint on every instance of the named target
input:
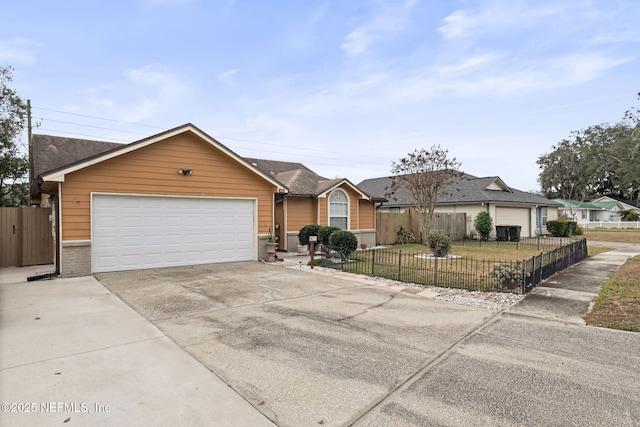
(509, 275)
(271, 245)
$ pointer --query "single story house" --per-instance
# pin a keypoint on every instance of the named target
(176, 198)
(471, 195)
(603, 208)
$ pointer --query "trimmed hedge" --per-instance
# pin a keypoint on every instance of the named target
(306, 231)
(325, 232)
(440, 244)
(562, 228)
(343, 241)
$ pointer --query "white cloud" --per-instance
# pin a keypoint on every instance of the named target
(391, 19)
(497, 16)
(18, 51)
(143, 93)
(228, 77)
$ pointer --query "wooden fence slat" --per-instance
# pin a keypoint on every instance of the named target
(26, 237)
(388, 224)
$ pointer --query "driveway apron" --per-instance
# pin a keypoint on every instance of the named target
(305, 349)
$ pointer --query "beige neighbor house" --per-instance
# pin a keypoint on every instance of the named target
(176, 198)
(471, 195)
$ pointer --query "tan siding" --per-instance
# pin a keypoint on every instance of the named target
(324, 215)
(367, 215)
(154, 170)
(300, 212)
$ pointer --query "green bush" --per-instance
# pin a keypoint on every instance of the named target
(440, 244)
(325, 232)
(344, 242)
(483, 224)
(561, 228)
(306, 231)
(629, 215)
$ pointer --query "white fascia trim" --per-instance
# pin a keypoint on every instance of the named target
(353, 187)
(59, 175)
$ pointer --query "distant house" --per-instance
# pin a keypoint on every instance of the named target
(471, 195)
(604, 209)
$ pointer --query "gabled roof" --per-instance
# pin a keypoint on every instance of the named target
(466, 189)
(53, 152)
(575, 204)
(63, 164)
(626, 203)
(302, 181)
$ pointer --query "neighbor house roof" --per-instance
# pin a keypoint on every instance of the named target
(58, 156)
(466, 189)
(302, 181)
(53, 152)
(575, 204)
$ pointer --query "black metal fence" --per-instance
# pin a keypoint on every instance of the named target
(463, 273)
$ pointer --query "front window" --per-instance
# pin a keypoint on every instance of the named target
(541, 218)
(339, 209)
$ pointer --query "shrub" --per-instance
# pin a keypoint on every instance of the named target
(483, 224)
(344, 242)
(306, 231)
(561, 228)
(629, 215)
(440, 244)
(325, 232)
(405, 236)
(509, 275)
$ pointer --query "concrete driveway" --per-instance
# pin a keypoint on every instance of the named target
(318, 349)
(305, 349)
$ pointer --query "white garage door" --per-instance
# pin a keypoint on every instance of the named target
(514, 216)
(135, 232)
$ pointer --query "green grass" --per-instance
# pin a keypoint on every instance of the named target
(618, 304)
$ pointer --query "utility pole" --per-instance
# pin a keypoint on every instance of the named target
(31, 177)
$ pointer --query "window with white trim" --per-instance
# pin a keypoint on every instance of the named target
(339, 209)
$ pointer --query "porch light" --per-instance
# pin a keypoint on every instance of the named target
(185, 171)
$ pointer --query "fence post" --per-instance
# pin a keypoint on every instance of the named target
(373, 262)
(399, 263)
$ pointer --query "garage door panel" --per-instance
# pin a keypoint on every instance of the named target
(134, 232)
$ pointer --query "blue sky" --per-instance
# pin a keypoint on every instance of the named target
(345, 87)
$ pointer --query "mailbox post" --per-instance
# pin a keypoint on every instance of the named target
(312, 247)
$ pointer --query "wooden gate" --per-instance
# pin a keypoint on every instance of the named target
(26, 237)
(453, 225)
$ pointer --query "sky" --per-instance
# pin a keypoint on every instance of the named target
(344, 87)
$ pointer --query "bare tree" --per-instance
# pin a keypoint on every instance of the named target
(424, 174)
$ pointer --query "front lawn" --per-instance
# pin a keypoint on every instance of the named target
(618, 304)
(625, 235)
(492, 250)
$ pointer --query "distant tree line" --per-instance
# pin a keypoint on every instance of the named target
(600, 160)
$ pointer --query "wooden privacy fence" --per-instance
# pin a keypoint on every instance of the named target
(453, 225)
(25, 237)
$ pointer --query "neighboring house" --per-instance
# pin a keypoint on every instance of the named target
(471, 195)
(601, 209)
(313, 199)
(176, 198)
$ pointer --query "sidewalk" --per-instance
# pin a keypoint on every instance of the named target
(569, 295)
(70, 351)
